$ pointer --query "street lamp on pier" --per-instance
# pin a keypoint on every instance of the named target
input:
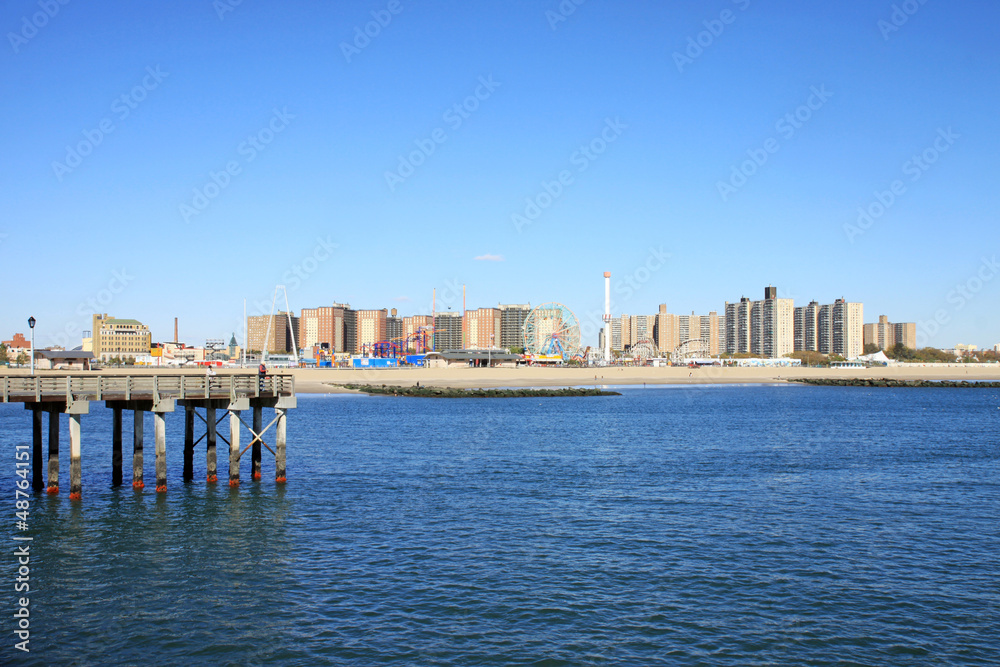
(31, 325)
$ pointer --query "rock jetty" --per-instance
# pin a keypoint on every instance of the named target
(881, 382)
(449, 392)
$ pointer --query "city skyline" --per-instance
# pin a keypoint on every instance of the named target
(838, 151)
(325, 316)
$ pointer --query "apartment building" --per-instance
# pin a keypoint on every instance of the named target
(512, 317)
(274, 330)
(483, 328)
(886, 334)
(447, 331)
(764, 328)
(121, 338)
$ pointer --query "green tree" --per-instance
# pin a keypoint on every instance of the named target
(22, 358)
(871, 348)
(4, 355)
(810, 358)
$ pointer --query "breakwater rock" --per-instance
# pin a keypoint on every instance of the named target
(449, 392)
(880, 382)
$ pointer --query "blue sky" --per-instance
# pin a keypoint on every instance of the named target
(310, 118)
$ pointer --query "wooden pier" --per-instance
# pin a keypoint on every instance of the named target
(159, 394)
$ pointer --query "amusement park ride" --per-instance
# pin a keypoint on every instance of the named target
(551, 335)
(400, 347)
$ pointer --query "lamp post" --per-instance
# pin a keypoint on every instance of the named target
(31, 325)
(489, 353)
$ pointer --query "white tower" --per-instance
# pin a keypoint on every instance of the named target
(607, 316)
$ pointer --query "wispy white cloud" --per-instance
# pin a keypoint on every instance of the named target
(489, 258)
(401, 299)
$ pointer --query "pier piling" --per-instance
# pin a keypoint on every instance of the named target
(36, 448)
(279, 446)
(116, 447)
(188, 443)
(137, 450)
(160, 436)
(53, 481)
(211, 458)
(75, 466)
(234, 448)
(255, 450)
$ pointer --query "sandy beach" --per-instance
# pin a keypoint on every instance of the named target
(332, 380)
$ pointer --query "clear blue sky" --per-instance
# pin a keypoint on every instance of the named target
(344, 120)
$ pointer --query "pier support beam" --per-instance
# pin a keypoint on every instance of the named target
(279, 446)
(211, 457)
(255, 452)
(160, 434)
(75, 466)
(53, 481)
(234, 448)
(36, 449)
(188, 443)
(137, 450)
(116, 447)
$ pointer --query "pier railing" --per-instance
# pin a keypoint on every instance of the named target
(69, 388)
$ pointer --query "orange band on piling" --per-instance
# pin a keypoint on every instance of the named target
(52, 490)
(234, 482)
(280, 480)
(212, 479)
(256, 475)
(161, 489)
(138, 485)
(75, 496)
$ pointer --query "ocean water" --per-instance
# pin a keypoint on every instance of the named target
(715, 525)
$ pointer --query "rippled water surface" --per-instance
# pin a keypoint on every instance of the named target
(707, 525)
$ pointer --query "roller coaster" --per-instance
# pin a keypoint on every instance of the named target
(399, 347)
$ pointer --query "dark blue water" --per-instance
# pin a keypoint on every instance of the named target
(707, 525)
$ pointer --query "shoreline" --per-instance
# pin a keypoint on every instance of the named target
(330, 381)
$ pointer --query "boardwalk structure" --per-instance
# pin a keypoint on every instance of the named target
(159, 394)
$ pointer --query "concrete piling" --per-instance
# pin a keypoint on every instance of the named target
(160, 436)
(75, 466)
(234, 448)
(279, 446)
(53, 481)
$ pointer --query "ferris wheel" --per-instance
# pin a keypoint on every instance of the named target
(552, 329)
